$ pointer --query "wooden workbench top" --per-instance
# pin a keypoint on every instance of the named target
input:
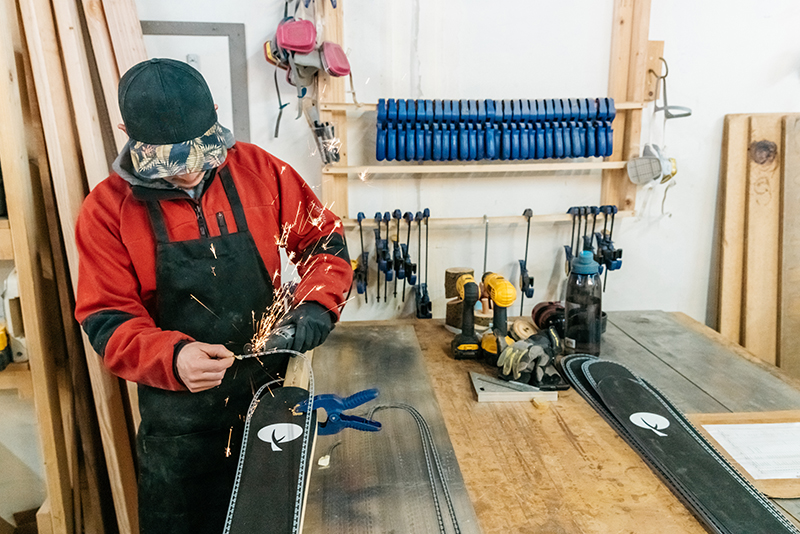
(559, 467)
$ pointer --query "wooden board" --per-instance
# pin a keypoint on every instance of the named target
(733, 193)
(70, 189)
(82, 97)
(762, 228)
(558, 468)
(655, 52)
(331, 89)
(107, 70)
(789, 283)
(126, 33)
(776, 488)
(626, 80)
(22, 212)
(702, 357)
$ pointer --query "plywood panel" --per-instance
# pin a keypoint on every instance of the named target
(788, 353)
(762, 228)
(733, 176)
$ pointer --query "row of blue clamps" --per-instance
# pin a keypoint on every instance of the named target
(468, 130)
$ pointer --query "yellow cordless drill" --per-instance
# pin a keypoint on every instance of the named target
(466, 345)
(502, 294)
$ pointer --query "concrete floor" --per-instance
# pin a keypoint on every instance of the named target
(21, 466)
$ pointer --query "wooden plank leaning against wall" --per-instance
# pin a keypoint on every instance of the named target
(68, 157)
(27, 227)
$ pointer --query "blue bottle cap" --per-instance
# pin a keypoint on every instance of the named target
(584, 263)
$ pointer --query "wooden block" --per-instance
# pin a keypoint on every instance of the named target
(762, 231)
(655, 51)
(44, 518)
(733, 197)
(789, 315)
(297, 373)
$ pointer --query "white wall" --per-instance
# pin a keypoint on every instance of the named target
(724, 57)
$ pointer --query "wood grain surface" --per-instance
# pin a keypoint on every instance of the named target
(548, 467)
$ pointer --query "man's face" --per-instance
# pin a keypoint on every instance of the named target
(186, 181)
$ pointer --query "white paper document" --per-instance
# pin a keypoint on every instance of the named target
(768, 450)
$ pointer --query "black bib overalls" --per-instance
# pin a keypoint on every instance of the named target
(188, 443)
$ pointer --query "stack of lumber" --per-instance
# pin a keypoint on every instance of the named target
(759, 276)
(60, 64)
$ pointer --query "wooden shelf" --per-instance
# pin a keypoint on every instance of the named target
(475, 168)
(346, 106)
(17, 376)
(460, 222)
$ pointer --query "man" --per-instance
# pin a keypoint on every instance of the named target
(179, 259)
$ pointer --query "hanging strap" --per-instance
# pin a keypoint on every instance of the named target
(157, 222)
(233, 199)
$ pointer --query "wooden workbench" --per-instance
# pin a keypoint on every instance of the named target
(560, 468)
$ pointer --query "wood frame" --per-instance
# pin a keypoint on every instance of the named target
(626, 84)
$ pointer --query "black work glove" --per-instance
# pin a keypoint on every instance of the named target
(313, 323)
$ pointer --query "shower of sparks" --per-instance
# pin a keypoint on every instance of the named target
(228, 448)
(226, 400)
(213, 251)
(363, 175)
(214, 270)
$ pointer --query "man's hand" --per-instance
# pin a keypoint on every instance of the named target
(201, 366)
(313, 322)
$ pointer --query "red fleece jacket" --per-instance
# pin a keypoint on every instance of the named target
(116, 298)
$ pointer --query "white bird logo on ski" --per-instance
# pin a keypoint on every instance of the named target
(280, 433)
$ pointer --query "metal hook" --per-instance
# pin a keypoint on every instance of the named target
(664, 200)
(668, 110)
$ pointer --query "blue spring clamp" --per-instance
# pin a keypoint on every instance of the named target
(334, 405)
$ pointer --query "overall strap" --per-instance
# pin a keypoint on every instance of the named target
(157, 221)
(233, 199)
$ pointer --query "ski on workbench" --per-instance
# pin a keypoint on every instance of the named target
(269, 494)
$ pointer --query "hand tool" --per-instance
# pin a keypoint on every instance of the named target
(502, 295)
(397, 253)
(547, 314)
(466, 345)
(525, 280)
(362, 269)
(278, 339)
(408, 267)
(575, 211)
(389, 273)
(379, 259)
(423, 301)
(334, 405)
(607, 255)
(382, 256)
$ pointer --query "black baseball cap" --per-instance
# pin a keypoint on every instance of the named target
(169, 115)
